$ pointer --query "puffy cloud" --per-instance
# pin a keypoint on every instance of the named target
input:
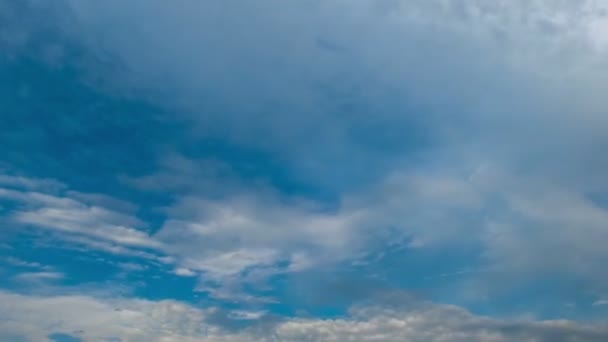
(100, 319)
(441, 323)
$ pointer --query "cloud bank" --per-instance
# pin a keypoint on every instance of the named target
(98, 319)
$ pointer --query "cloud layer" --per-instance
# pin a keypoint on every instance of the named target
(95, 319)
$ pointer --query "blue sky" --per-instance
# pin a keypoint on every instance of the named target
(369, 170)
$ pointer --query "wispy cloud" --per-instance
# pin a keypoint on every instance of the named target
(78, 220)
(28, 264)
(36, 277)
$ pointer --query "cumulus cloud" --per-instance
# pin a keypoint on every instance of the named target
(98, 319)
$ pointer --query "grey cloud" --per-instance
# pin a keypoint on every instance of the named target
(386, 80)
(389, 85)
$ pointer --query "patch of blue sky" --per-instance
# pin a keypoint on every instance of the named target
(62, 337)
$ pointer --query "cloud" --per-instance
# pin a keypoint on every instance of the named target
(97, 319)
(39, 276)
(184, 272)
(600, 302)
(22, 263)
(441, 323)
(82, 221)
(342, 103)
(247, 239)
(73, 220)
(28, 183)
(446, 123)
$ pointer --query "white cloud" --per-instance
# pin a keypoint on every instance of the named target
(85, 221)
(95, 319)
(224, 238)
(77, 221)
(233, 262)
(184, 272)
(434, 323)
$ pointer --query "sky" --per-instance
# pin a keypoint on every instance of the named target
(321, 170)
